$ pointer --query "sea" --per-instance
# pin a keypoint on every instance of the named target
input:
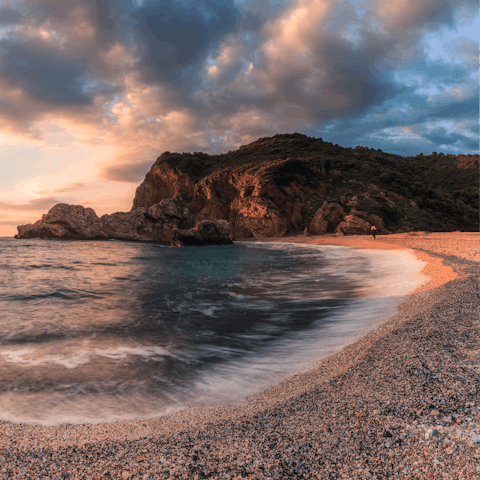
(106, 331)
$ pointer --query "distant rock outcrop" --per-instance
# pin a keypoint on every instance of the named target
(74, 222)
(284, 185)
(207, 232)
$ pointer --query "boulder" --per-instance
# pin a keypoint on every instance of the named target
(353, 225)
(69, 222)
(127, 226)
(206, 232)
(326, 218)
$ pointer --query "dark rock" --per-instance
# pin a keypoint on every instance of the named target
(207, 232)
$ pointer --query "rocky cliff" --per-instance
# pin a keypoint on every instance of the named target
(284, 185)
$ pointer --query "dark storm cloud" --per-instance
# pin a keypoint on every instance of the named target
(58, 80)
(8, 16)
(174, 35)
(56, 50)
(441, 136)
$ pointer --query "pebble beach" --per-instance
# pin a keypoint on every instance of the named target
(402, 402)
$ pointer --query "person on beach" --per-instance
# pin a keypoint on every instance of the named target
(374, 231)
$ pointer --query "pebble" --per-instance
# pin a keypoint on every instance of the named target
(126, 475)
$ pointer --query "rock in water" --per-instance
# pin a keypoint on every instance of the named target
(70, 222)
(74, 222)
(207, 232)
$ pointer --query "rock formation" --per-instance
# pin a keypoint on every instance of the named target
(284, 185)
(71, 222)
(326, 218)
(74, 222)
(353, 225)
(207, 232)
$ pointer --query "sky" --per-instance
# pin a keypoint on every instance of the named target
(93, 91)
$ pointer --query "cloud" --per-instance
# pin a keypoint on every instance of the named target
(173, 34)
(72, 187)
(129, 173)
(133, 79)
(467, 50)
(8, 16)
(43, 203)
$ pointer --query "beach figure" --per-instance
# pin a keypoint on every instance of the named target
(374, 231)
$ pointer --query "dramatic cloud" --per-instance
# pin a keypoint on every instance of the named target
(37, 204)
(120, 81)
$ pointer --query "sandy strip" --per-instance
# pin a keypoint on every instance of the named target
(401, 402)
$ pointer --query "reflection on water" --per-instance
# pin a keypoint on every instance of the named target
(102, 331)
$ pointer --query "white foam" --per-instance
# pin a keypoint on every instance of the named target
(31, 357)
(393, 273)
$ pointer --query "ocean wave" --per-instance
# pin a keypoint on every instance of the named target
(31, 357)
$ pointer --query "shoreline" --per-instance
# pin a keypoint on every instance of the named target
(437, 272)
(364, 412)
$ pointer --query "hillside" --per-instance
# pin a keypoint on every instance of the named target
(307, 171)
(283, 185)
